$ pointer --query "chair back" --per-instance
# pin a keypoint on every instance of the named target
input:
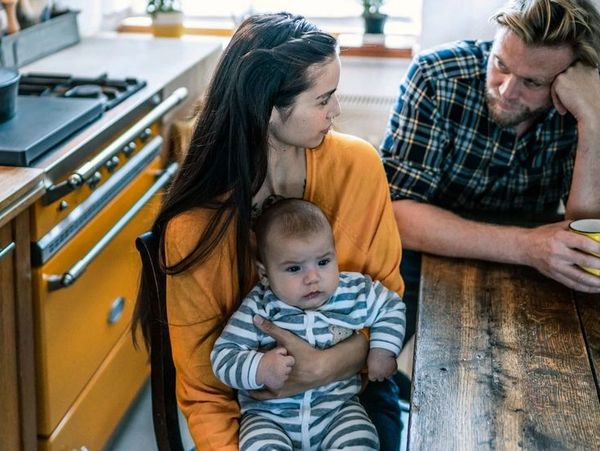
(162, 369)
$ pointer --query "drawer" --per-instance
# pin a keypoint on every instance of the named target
(76, 326)
(97, 411)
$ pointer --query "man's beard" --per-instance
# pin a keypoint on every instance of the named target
(507, 119)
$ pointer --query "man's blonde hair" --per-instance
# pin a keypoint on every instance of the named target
(555, 23)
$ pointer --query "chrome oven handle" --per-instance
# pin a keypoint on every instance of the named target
(58, 281)
(89, 168)
(6, 249)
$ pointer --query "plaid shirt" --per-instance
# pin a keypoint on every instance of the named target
(441, 146)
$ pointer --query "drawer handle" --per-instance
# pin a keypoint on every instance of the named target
(116, 310)
(58, 281)
(7, 249)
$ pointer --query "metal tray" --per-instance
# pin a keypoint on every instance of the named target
(39, 40)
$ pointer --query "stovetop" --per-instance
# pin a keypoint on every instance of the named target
(109, 90)
(52, 107)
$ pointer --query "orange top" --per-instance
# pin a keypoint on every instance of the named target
(345, 177)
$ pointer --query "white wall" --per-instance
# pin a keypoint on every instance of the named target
(450, 20)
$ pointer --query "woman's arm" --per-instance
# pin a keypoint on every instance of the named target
(198, 304)
(314, 367)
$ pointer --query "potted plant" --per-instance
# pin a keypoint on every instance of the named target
(167, 17)
(374, 19)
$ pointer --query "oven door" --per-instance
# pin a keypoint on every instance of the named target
(85, 294)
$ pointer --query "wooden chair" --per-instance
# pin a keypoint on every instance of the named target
(162, 369)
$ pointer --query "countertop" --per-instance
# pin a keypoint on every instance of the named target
(158, 61)
(19, 187)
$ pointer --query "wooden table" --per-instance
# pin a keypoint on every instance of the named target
(504, 359)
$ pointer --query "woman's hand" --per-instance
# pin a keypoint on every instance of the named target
(312, 367)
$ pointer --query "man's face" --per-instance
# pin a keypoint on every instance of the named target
(520, 77)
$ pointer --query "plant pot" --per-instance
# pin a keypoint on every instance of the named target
(9, 84)
(167, 24)
(375, 23)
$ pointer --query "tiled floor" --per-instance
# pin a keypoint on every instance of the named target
(135, 432)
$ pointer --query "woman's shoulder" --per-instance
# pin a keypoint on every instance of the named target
(183, 231)
(346, 150)
(351, 154)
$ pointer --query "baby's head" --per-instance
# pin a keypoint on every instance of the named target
(296, 253)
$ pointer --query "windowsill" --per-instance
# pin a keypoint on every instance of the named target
(351, 43)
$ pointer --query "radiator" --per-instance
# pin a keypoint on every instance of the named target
(365, 116)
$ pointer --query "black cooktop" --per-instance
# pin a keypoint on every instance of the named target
(51, 107)
(111, 91)
(40, 124)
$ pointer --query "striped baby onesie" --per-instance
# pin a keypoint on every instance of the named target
(309, 418)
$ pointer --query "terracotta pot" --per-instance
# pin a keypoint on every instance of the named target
(167, 24)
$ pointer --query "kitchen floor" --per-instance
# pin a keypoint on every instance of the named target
(135, 432)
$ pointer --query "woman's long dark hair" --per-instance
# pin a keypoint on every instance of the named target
(265, 66)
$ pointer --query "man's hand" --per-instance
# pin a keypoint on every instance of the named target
(274, 368)
(557, 253)
(577, 90)
(381, 364)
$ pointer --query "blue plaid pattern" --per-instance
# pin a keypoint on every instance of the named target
(442, 148)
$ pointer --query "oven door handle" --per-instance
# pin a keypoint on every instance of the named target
(58, 281)
(89, 168)
(4, 251)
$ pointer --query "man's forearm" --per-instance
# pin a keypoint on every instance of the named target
(428, 228)
(584, 195)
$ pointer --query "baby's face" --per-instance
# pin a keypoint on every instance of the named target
(302, 272)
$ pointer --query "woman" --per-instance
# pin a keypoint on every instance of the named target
(264, 133)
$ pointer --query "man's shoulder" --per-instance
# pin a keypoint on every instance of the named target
(461, 59)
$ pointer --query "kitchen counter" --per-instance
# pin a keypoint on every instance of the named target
(163, 63)
(19, 188)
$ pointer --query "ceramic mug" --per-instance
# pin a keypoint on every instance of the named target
(591, 229)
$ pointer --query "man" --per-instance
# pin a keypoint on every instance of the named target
(508, 127)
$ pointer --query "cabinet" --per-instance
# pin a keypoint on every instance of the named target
(19, 188)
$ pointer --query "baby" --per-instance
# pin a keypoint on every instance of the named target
(301, 290)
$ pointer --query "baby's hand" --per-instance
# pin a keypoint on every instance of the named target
(274, 368)
(381, 364)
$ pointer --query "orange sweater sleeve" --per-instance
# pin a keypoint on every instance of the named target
(199, 302)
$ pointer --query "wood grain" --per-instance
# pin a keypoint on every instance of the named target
(25, 332)
(19, 188)
(500, 362)
(9, 399)
(588, 306)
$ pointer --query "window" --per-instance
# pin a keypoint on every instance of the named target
(341, 15)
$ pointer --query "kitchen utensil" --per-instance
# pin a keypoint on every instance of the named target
(9, 83)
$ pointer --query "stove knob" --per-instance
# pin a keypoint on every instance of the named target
(94, 180)
(112, 163)
(129, 149)
(146, 134)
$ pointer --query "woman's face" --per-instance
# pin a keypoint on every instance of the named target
(310, 118)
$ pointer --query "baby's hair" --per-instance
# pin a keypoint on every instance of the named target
(291, 218)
